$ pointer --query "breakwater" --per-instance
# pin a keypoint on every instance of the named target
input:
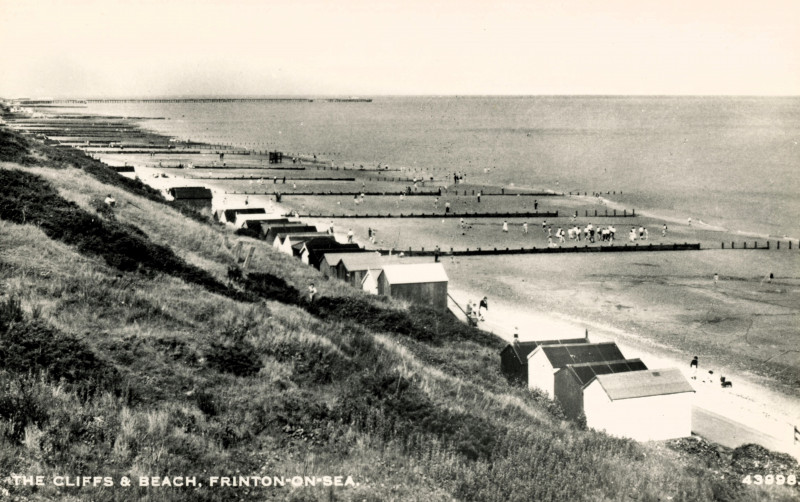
(610, 248)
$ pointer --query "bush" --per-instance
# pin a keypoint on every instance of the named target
(232, 357)
(31, 346)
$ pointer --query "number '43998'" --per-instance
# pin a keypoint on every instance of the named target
(770, 479)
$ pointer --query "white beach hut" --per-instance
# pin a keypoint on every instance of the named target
(642, 405)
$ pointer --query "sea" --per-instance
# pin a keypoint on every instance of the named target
(726, 162)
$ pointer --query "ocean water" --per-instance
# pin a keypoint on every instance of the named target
(732, 162)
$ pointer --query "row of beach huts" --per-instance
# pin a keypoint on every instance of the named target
(591, 381)
(421, 283)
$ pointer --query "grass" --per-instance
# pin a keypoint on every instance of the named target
(188, 379)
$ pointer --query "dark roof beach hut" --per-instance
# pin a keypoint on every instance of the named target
(269, 233)
(193, 197)
(571, 380)
(514, 356)
(547, 359)
(284, 242)
(314, 250)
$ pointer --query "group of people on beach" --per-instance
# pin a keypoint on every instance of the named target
(475, 312)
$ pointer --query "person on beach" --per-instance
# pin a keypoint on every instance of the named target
(690, 221)
(716, 278)
(693, 367)
(641, 232)
(632, 235)
(612, 231)
(535, 205)
(446, 207)
(646, 233)
(483, 305)
(664, 230)
(312, 292)
(544, 225)
(479, 197)
(505, 226)
(560, 235)
(350, 236)
(525, 228)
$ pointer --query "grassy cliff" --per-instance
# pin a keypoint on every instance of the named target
(125, 350)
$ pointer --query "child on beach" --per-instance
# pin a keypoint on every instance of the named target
(505, 226)
(525, 228)
(664, 231)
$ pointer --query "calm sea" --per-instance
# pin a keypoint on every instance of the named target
(730, 162)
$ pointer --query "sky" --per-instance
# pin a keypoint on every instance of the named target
(89, 48)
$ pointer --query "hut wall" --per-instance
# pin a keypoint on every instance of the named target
(540, 372)
(651, 418)
(568, 392)
(433, 294)
(511, 367)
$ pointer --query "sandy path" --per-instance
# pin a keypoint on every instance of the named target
(745, 413)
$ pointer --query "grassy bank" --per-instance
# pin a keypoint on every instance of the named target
(142, 360)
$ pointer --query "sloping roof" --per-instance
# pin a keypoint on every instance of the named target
(586, 372)
(190, 192)
(644, 383)
(562, 355)
(259, 223)
(414, 273)
(300, 237)
(319, 247)
(230, 214)
(522, 349)
(364, 261)
(271, 231)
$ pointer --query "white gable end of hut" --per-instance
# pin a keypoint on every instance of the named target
(642, 405)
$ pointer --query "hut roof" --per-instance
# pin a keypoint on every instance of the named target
(300, 237)
(522, 349)
(644, 383)
(363, 261)
(271, 231)
(190, 192)
(320, 246)
(576, 353)
(230, 214)
(586, 372)
(414, 273)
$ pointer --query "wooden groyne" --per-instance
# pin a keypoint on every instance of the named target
(754, 245)
(537, 214)
(609, 248)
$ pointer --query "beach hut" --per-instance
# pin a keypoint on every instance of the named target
(571, 380)
(546, 360)
(193, 197)
(241, 219)
(314, 250)
(269, 232)
(352, 267)
(421, 283)
(229, 215)
(514, 356)
(284, 242)
(642, 405)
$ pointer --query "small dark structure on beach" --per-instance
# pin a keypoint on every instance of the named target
(193, 197)
(420, 283)
(514, 357)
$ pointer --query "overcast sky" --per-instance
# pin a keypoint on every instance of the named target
(85, 48)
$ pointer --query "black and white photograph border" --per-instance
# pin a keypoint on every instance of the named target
(399, 251)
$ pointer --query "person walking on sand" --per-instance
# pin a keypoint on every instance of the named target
(693, 367)
(483, 305)
(544, 225)
(505, 226)
(525, 228)
(350, 236)
(716, 278)
(664, 231)
(479, 197)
